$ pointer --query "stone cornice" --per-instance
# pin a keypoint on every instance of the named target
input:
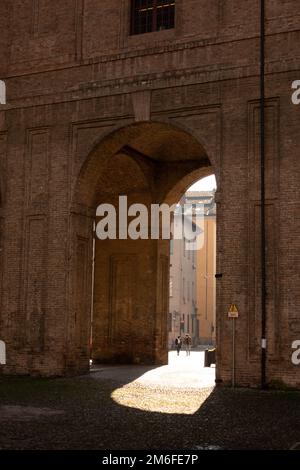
(179, 78)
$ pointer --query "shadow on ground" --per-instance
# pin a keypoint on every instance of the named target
(80, 413)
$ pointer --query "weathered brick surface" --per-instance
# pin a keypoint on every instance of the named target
(77, 86)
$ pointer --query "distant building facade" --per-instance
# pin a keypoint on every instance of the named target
(206, 268)
(183, 295)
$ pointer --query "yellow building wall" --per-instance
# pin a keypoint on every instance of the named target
(206, 283)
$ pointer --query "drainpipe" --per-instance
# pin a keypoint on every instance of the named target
(263, 195)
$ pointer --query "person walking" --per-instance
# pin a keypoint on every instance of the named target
(188, 344)
(178, 344)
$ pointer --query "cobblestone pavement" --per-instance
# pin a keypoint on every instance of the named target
(143, 408)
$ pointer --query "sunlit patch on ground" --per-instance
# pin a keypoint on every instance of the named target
(180, 387)
(186, 372)
(160, 400)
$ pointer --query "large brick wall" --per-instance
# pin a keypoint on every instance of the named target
(77, 83)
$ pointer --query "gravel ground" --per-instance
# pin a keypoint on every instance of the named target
(84, 413)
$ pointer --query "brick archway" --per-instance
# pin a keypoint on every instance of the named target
(149, 162)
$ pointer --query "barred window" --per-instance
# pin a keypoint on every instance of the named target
(152, 15)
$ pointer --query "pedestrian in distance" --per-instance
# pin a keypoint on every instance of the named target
(178, 344)
(188, 344)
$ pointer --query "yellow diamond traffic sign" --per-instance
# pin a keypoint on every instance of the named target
(233, 311)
